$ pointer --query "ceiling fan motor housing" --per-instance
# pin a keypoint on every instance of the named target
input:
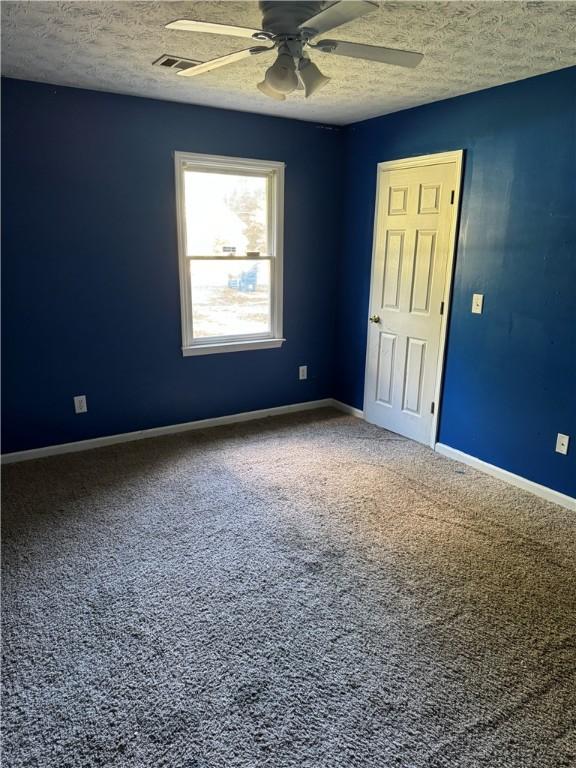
(284, 18)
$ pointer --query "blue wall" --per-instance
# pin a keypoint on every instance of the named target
(90, 269)
(510, 378)
(90, 280)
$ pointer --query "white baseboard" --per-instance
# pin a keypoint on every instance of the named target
(345, 408)
(445, 450)
(508, 477)
(126, 437)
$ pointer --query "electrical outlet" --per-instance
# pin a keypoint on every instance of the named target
(562, 443)
(477, 303)
(303, 372)
(80, 404)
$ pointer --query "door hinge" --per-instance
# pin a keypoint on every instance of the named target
(452, 196)
(441, 307)
(432, 408)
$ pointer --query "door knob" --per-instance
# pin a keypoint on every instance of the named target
(375, 319)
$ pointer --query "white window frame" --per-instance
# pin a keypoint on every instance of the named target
(275, 171)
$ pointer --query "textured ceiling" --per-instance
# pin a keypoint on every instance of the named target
(110, 46)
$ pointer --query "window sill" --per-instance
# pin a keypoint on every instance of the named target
(233, 346)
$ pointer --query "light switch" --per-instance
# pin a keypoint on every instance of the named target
(477, 302)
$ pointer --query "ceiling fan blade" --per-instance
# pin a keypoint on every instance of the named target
(370, 52)
(189, 25)
(337, 14)
(222, 61)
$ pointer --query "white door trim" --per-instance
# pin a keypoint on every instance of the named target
(439, 158)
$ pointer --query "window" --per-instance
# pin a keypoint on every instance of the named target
(230, 215)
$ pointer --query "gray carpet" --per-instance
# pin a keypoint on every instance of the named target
(300, 592)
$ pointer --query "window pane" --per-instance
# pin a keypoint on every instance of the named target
(225, 213)
(230, 297)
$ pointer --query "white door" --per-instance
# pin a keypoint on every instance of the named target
(414, 235)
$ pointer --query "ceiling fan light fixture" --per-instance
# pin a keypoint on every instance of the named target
(281, 76)
(311, 76)
(265, 88)
(290, 28)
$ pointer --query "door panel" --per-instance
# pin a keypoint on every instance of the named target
(385, 374)
(397, 201)
(429, 200)
(409, 275)
(392, 269)
(423, 271)
(415, 360)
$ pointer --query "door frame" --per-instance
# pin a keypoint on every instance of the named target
(456, 157)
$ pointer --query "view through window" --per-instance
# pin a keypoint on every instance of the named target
(229, 238)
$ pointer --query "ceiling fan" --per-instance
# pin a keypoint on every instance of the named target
(290, 28)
